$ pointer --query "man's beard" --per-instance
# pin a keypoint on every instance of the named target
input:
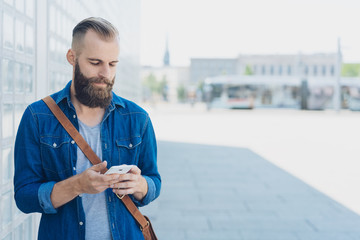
(88, 94)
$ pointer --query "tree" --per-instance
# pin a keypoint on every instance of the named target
(248, 70)
(151, 83)
(181, 93)
(350, 70)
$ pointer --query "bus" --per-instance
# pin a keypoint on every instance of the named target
(248, 92)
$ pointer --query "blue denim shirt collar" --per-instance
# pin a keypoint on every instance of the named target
(65, 94)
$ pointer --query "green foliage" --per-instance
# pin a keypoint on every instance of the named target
(350, 70)
(151, 83)
(162, 84)
(248, 70)
(181, 92)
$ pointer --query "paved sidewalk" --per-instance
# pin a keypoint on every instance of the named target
(216, 192)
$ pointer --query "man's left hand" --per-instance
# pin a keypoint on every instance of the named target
(131, 183)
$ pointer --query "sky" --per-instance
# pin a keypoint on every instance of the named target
(227, 28)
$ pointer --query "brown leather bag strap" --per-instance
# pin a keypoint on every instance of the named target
(93, 158)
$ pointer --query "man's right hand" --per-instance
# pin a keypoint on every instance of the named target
(90, 181)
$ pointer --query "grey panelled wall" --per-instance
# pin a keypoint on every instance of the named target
(34, 38)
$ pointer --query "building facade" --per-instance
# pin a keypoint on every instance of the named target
(309, 65)
(34, 38)
(201, 68)
(305, 65)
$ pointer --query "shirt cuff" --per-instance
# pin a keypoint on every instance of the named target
(150, 195)
(44, 193)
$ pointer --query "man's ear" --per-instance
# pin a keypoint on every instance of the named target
(70, 56)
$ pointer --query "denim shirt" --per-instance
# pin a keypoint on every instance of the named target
(45, 154)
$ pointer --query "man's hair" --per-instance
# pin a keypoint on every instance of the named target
(102, 27)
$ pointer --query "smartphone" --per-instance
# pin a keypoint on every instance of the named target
(121, 169)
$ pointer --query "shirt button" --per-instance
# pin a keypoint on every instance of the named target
(81, 223)
(72, 142)
(105, 146)
(54, 144)
(74, 168)
(74, 116)
(130, 145)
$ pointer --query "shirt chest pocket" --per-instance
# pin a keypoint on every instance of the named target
(55, 155)
(128, 150)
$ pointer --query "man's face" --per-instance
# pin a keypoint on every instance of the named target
(89, 93)
(94, 71)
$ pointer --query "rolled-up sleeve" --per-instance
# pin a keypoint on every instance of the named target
(44, 194)
(148, 164)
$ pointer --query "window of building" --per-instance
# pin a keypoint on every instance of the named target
(6, 207)
(332, 70)
(7, 75)
(289, 70)
(6, 164)
(306, 70)
(271, 70)
(324, 70)
(263, 70)
(7, 120)
(315, 70)
(19, 35)
(8, 30)
(280, 70)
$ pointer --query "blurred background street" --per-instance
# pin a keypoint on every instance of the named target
(261, 174)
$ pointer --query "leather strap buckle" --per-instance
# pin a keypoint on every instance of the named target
(120, 197)
(147, 224)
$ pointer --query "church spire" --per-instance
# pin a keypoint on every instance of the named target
(167, 54)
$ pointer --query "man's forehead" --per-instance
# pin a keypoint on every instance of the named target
(96, 47)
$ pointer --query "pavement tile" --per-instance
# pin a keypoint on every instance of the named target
(216, 192)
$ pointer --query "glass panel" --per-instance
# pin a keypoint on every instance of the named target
(19, 35)
(28, 229)
(8, 26)
(52, 48)
(8, 75)
(6, 206)
(7, 121)
(19, 232)
(20, 5)
(8, 237)
(19, 77)
(58, 23)
(19, 111)
(10, 2)
(52, 16)
(28, 78)
(29, 39)
(30, 8)
(7, 160)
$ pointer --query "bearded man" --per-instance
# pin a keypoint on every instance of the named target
(53, 176)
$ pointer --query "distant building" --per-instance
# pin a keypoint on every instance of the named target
(314, 65)
(201, 68)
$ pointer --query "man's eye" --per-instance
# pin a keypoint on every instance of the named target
(94, 63)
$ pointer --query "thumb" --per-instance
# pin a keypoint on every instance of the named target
(99, 167)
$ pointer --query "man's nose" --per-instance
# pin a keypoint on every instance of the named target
(105, 72)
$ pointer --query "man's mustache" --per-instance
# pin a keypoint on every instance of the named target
(100, 80)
